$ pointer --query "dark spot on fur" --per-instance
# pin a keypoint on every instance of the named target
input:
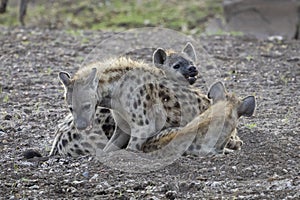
(76, 136)
(69, 123)
(79, 152)
(167, 98)
(87, 151)
(133, 115)
(181, 96)
(189, 110)
(60, 147)
(148, 97)
(139, 102)
(64, 142)
(144, 112)
(198, 147)
(199, 100)
(175, 123)
(137, 146)
(168, 119)
(176, 104)
(134, 139)
(151, 86)
(69, 154)
(147, 121)
(86, 144)
(139, 81)
(100, 145)
(161, 93)
(191, 147)
(184, 90)
(176, 85)
(145, 105)
(141, 123)
(131, 89)
(132, 77)
(75, 145)
(135, 105)
(71, 149)
(69, 136)
(92, 137)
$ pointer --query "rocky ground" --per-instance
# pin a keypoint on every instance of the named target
(31, 99)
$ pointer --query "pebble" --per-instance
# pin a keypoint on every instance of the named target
(85, 174)
(2, 133)
(7, 117)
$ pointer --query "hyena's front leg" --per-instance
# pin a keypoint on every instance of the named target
(121, 135)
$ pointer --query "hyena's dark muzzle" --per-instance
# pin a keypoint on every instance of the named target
(81, 123)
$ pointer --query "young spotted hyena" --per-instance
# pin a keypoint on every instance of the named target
(211, 130)
(142, 98)
(72, 142)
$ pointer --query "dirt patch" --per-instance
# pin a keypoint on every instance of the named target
(31, 99)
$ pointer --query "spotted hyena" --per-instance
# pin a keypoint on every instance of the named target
(142, 98)
(72, 142)
(212, 130)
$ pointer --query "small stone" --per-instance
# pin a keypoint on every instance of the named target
(2, 133)
(85, 174)
(94, 177)
(7, 117)
(34, 187)
(171, 195)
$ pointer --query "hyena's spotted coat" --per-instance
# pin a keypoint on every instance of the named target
(143, 99)
(72, 142)
(210, 131)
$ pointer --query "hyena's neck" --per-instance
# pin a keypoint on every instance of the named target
(113, 72)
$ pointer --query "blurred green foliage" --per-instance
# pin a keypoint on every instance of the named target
(187, 16)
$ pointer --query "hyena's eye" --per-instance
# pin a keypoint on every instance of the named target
(176, 66)
(87, 106)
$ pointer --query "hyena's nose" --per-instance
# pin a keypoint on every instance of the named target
(193, 71)
(192, 68)
(81, 124)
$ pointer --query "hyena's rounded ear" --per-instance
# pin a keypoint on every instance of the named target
(247, 107)
(217, 92)
(159, 57)
(190, 51)
(65, 78)
(92, 80)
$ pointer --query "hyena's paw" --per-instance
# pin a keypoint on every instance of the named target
(234, 143)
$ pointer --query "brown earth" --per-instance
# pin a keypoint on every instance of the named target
(31, 99)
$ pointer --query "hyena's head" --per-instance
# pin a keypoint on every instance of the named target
(238, 107)
(182, 62)
(81, 97)
(226, 110)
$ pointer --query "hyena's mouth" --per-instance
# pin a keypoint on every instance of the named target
(191, 79)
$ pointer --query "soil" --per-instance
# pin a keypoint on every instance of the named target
(267, 166)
